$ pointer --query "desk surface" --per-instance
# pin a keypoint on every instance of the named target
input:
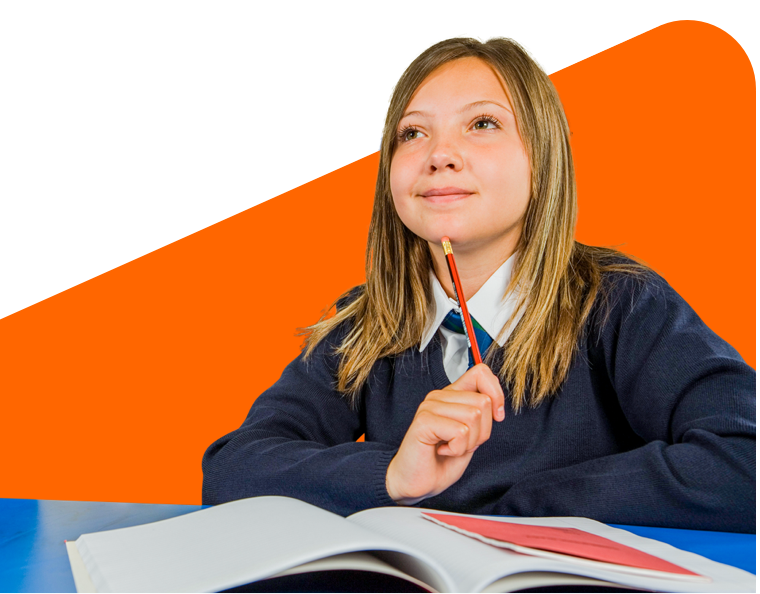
(33, 556)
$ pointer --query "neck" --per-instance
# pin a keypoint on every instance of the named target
(475, 265)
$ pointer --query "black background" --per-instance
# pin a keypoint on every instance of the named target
(128, 132)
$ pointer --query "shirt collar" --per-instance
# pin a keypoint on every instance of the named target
(488, 306)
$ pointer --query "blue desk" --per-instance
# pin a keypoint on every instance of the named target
(33, 556)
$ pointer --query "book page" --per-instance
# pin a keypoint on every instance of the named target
(82, 581)
(222, 547)
(347, 561)
(544, 579)
(355, 561)
(474, 565)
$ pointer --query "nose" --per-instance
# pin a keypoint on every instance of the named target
(445, 154)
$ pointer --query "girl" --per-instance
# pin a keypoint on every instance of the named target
(626, 407)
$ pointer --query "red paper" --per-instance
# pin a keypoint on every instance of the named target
(568, 541)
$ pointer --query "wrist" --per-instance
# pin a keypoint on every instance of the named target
(389, 483)
(410, 501)
(393, 493)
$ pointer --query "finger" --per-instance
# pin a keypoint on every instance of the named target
(459, 405)
(477, 418)
(445, 450)
(480, 378)
(432, 429)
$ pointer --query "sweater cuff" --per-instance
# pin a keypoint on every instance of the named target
(381, 471)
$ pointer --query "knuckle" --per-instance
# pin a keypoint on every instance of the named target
(429, 405)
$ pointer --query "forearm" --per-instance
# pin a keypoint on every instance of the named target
(706, 483)
(272, 454)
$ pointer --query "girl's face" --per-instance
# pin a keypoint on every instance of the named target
(460, 168)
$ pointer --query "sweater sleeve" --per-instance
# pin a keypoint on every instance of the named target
(690, 397)
(299, 440)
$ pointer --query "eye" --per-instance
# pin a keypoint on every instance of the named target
(408, 133)
(486, 122)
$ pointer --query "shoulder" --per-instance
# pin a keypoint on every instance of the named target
(635, 305)
(349, 296)
(325, 338)
(627, 285)
(637, 312)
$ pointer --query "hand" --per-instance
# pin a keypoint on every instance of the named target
(449, 426)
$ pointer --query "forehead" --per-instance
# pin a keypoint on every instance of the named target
(457, 83)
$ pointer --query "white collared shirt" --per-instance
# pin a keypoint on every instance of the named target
(486, 306)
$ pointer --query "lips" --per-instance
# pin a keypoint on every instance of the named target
(443, 195)
(445, 192)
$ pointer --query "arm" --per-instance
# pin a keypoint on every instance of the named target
(691, 397)
(299, 440)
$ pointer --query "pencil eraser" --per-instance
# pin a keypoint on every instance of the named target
(445, 240)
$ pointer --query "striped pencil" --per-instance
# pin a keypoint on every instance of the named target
(459, 296)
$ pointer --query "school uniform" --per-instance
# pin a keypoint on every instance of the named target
(653, 425)
(488, 306)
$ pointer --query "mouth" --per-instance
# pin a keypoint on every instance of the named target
(445, 195)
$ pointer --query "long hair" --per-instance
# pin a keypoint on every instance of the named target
(558, 279)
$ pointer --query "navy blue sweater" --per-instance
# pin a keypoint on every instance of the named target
(654, 425)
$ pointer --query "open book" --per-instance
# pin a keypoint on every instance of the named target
(261, 538)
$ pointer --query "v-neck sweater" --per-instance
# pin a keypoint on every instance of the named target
(653, 425)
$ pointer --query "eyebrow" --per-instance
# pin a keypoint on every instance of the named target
(462, 110)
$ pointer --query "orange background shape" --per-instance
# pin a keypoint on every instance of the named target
(112, 390)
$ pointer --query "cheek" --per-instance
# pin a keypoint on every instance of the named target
(521, 165)
(509, 174)
(400, 181)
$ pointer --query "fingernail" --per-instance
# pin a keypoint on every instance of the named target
(500, 413)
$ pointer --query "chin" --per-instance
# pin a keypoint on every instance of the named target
(456, 235)
(433, 236)
(455, 229)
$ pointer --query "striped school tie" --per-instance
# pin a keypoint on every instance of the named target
(453, 322)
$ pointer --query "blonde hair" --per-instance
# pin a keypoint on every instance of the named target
(559, 279)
